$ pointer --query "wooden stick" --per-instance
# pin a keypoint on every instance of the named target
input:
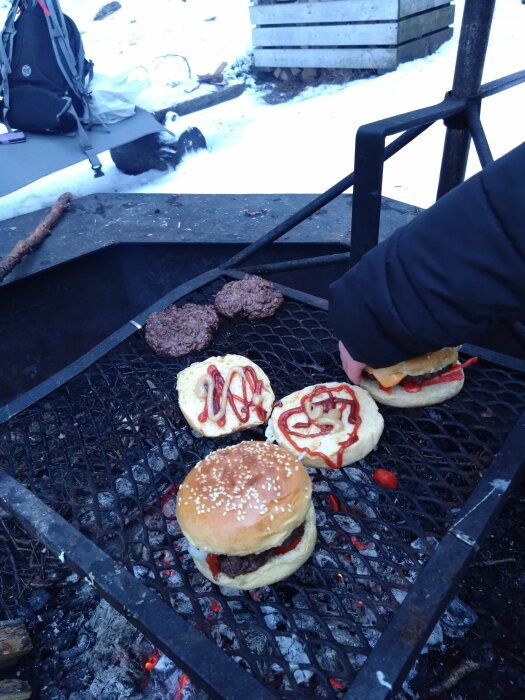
(25, 246)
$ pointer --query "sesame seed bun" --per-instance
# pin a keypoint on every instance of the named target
(327, 450)
(277, 568)
(193, 401)
(243, 499)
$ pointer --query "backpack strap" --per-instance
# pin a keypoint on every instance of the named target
(63, 53)
(86, 144)
(68, 62)
(6, 53)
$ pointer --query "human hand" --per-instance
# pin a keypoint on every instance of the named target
(353, 369)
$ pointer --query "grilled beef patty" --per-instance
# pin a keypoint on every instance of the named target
(235, 566)
(252, 297)
(177, 331)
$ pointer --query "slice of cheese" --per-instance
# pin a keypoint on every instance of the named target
(386, 377)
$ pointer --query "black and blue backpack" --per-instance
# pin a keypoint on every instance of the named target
(45, 76)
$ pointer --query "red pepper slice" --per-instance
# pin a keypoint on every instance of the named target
(288, 548)
(385, 478)
(213, 562)
(453, 374)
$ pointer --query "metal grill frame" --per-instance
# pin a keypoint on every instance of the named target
(399, 644)
(210, 668)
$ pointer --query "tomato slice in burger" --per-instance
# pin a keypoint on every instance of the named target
(213, 562)
(289, 547)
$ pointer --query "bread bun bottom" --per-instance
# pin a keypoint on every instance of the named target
(369, 431)
(428, 396)
(277, 568)
(192, 405)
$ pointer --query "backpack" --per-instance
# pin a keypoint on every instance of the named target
(45, 76)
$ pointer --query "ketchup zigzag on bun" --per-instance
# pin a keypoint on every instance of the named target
(246, 511)
(224, 394)
(326, 425)
(421, 381)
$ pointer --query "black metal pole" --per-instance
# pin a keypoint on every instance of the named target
(470, 60)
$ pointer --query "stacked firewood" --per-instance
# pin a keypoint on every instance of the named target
(306, 75)
(14, 644)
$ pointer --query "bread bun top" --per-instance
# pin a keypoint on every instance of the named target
(243, 499)
(416, 366)
(224, 394)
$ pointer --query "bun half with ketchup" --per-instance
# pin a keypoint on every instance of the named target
(247, 514)
(222, 395)
(422, 381)
(327, 425)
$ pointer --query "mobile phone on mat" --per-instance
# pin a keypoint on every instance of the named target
(12, 137)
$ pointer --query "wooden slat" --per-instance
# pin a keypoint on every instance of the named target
(329, 11)
(420, 25)
(424, 46)
(384, 34)
(411, 7)
(383, 59)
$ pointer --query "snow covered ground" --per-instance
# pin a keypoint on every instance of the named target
(303, 145)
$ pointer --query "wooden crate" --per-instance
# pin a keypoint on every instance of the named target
(359, 34)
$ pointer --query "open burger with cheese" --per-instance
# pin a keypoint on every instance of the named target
(247, 514)
(421, 381)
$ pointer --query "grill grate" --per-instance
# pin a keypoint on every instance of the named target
(108, 450)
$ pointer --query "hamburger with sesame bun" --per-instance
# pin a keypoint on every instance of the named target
(422, 381)
(247, 514)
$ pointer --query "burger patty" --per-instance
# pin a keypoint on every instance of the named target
(252, 297)
(177, 331)
(420, 378)
(235, 566)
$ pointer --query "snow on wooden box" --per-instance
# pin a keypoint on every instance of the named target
(358, 34)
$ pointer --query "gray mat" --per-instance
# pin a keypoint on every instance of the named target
(40, 155)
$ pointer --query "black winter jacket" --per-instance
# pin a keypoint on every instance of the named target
(452, 270)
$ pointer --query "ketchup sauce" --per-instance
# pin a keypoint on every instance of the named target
(241, 405)
(349, 410)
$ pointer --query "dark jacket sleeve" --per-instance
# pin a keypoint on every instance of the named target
(456, 267)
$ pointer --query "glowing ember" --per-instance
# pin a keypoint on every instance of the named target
(168, 494)
(338, 685)
(184, 679)
(215, 606)
(357, 544)
(334, 502)
(153, 660)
